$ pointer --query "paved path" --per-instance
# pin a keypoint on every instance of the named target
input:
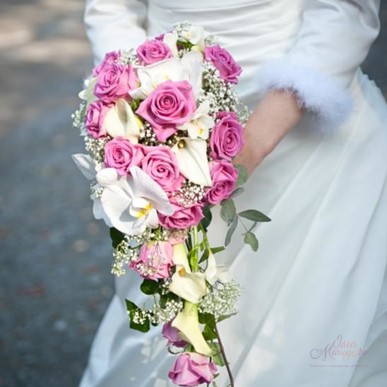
(54, 258)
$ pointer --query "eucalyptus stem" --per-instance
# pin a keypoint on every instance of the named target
(223, 352)
(195, 250)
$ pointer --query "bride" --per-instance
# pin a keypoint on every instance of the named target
(314, 307)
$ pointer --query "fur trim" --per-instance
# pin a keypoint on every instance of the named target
(317, 92)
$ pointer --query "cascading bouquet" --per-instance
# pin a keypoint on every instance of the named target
(162, 124)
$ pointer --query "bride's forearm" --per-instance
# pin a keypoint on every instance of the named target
(276, 114)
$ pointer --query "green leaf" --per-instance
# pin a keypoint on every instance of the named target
(207, 319)
(140, 327)
(204, 257)
(231, 230)
(255, 216)
(205, 222)
(237, 192)
(132, 307)
(242, 175)
(217, 358)
(216, 250)
(164, 298)
(228, 211)
(251, 239)
(225, 317)
(209, 333)
(252, 227)
(149, 287)
(116, 236)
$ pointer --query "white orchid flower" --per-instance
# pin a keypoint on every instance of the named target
(128, 203)
(188, 68)
(200, 123)
(191, 157)
(187, 322)
(187, 285)
(195, 35)
(87, 94)
(216, 272)
(120, 121)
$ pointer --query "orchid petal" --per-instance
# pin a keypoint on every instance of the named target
(86, 165)
(191, 157)
(87, 94)
(187, 322)
(192, 61)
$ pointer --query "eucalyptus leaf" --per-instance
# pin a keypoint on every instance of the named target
(228, 211)
(242, 175)
(149, 287)
(251, 239)
(255, 216)
(237, 192)
(209, 333)
(231, 230)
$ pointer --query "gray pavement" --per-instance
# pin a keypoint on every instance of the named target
(54, 258)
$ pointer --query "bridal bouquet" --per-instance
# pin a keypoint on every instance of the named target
(162, 125)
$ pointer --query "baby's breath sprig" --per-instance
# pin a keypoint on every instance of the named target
(96, 146)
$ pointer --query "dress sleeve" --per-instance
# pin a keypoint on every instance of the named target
(333, 40)
(114, 24)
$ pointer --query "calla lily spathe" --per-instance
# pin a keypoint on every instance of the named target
(191, 157)
(128, 203)
(120, 121)
(188, 68)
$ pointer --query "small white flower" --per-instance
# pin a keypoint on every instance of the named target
(195, 35)
(200, 123)
(87, 94)
(120, 121)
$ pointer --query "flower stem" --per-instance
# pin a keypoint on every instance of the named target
(195, 250)
(225, 358)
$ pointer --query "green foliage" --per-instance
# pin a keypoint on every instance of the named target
(231, 230)
(132, 308)
(228, 211)
(251, 239)
(205, 222)
(149, 287)
(254, 215)
(116, 236)
(218, 357)
(242, 175)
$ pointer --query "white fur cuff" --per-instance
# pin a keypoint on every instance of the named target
(316, 91)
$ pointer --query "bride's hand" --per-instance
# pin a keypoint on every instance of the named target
(276, 114)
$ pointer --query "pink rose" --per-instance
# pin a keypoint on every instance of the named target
(115, 81)
(169, 105)
(172, 335)
(160, 164)
(94, 119)
(226, 137)
(224, 176)
(121, 154)
(183, 217)
(110, 58)
(192, 369)
(153, 51)
(229, 70)
(154, 261)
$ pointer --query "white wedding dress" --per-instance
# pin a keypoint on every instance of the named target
(314, 308)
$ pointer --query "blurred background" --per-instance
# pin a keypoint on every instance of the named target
(55, 280)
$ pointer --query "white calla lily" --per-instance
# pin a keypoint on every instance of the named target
(188, 68)
(120, 121)
(187, 285)
(200, 123)
(170, 40)
(191, 157)
(187, 322)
